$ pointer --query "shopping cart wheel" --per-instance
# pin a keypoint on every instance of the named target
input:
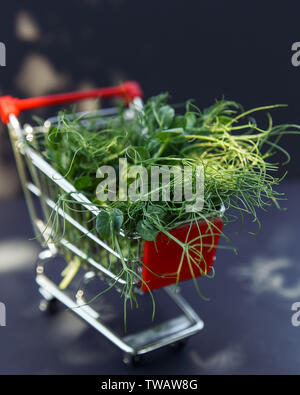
(49, 306)
(179, 345)
(132, 360)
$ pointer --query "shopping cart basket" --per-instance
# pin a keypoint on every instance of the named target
(42, 185)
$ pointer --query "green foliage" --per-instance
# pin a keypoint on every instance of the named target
(236, 154)
(146, 231)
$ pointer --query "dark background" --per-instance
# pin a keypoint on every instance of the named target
(193, 49)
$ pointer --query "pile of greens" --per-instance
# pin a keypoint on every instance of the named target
(237, 156)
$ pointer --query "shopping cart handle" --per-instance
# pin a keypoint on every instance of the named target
(12, 105)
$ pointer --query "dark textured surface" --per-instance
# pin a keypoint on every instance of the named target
(247, 322)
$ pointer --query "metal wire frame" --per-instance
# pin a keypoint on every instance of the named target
(42, 184)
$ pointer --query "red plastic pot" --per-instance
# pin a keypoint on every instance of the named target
(162, 258)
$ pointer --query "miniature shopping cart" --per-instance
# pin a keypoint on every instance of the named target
(42, 184)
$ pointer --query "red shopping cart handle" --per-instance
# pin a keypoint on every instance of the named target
(12, 105)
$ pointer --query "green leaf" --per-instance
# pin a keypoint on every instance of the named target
(103, 224)
(156, 210)
(190, 120)
(166, 115)
(109, 222)
(146, 231)
(165, 135)
(153, 146)
(86, 165)
(139, 153)
(179, 122)
(117, 219)
(83, 182)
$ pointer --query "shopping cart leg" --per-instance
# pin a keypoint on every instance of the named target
(48, 303)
